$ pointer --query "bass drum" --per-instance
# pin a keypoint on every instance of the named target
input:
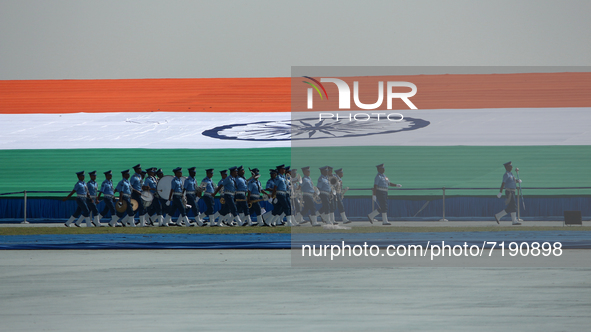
(147, 198)
(165, 184)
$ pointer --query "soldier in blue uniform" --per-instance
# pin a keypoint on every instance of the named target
(269, 187)
(280, 191)
(109, 196)
(92, 200)
(207, 196)
(380, 195)
(136, 182)
(81, 200)
(241, 191)
(339, 195)
(162, 200)
(190, 187)
(154, 211)
(509, 184)
(175, 200)
(325, 189)
(124, 190)
(309, 207)
(255, 191)
(223, 212)
(229, 185)
(295, 193)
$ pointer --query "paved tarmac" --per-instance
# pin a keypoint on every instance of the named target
(258, 290)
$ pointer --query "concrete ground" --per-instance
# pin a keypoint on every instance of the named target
(258, 290)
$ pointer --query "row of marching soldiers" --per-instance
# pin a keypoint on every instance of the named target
(291, 195)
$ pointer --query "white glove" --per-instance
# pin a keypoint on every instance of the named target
(374, 198)
(499, 195)
(519, 181)
(167, 203)
(398, 186)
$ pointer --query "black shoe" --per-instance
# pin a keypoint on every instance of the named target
(497, 219)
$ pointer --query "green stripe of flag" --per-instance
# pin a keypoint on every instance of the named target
(414, 167)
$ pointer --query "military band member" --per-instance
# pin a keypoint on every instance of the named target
(190, 188)
(229, 185)
(124, 190)
(309, 207)
(175, 200)
(92, 200)
(509, 183)
(280, 191)
(380, 195)
(207, 196)
(109, 196)
(255, 191)
(333, 201)
(295, 194)
(163, 206)
(339, 196)
(223, 212)
(81, 200)
(136, 182)
(154, 211)
(325, 189)
(269, 186)
(241, 191)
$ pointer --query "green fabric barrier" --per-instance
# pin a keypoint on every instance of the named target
(412, 166)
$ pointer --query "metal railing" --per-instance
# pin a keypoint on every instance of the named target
(443, 189)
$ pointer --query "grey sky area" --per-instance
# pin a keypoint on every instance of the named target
(191, 39)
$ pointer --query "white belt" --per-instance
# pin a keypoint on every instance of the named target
(208, 194)
(177, 194)
(325, 192)
(510, 189)
(281, 192)
(126, 195)
(241, 192)
(109, 196)
(382, 188)
(92, 196)
(190, 192)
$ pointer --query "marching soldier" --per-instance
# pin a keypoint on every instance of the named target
(109, 195)
(254, 195)
(241, 203)
(136, 182)
(207, 196)
(288, 196)
(81, 200)
(269, 186)
(154, 211)
(163, 206)
(280, 192)
(325, 191)
(296, 193)
(190, 188)
(380, 195)
(92, 200)
(223, 212)
(229, 185)
(333, 196)
(124, 189)
(175, 199)
(309, 208)
(339, 196)
(509, 183)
